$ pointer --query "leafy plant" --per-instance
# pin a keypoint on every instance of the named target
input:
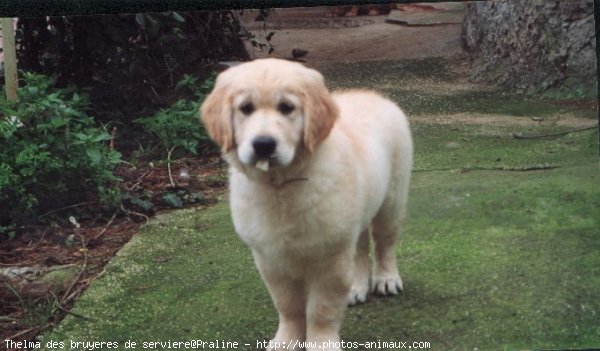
(147, 201)
(172, 200)
(181, 197)
(177, 127)
(51, 152)
(8, 231)
(142, 200)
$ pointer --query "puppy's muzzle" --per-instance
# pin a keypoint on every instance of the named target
(264, 146)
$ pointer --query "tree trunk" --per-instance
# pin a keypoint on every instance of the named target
(10, 58)
(532, 45)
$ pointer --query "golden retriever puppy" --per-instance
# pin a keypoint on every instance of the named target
(310, 173)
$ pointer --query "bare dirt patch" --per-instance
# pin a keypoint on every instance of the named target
(361, 38)
(45, 267)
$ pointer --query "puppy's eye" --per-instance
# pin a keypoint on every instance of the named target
(285, 108)
(247, 108)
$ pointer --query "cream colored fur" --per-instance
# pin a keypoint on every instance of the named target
(341, 166)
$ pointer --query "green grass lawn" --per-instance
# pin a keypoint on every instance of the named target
(494, 256)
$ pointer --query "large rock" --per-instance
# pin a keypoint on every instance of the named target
(532, 45)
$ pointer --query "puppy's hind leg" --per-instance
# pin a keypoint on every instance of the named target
(386, 227)
(362, 265)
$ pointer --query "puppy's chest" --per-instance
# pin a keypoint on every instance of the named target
(295, 218)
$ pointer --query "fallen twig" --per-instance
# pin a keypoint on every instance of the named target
(76, 292)
(497, 168)
(135, 213)
(169, 152)
(540, 136)
(13, 337)
(16, 293)
(85, 283)
(63, 300)
(74, 314)
(140, 179)
(19, 264)
(66, 208)
(107, 225)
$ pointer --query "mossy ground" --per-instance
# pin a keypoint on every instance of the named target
(438, 86)
(492, 256)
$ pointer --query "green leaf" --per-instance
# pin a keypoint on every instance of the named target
(114, 157)
(82, 136)
(55, 97)
(143, 204)
(8, 111)
(101, 137)
(59, 121)
(197, 198)
(94, 155)
(172, 200)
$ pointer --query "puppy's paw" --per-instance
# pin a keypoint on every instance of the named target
(358, 293)
(387, 284)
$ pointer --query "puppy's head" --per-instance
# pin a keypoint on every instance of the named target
(263, 112)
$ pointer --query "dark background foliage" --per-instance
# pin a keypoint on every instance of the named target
(130, 62)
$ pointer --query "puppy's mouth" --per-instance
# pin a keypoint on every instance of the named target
(263, 165)
(266, 163)
(265, 152)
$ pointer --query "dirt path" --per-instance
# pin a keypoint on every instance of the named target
(504, 120)
(362, 38)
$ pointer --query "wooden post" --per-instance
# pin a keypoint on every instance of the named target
(10, 57)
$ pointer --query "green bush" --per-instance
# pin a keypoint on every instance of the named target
(177, 127)
(52, 153)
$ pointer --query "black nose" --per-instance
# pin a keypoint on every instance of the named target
(264, 146)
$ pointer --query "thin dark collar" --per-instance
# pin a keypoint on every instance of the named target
(280, 184)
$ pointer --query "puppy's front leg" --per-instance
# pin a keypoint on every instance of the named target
(289, 298)
(327, 300)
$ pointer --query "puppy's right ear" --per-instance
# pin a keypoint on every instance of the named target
(216, 116)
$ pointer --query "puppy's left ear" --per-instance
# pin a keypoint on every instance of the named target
(321, 112)
(216, 115)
